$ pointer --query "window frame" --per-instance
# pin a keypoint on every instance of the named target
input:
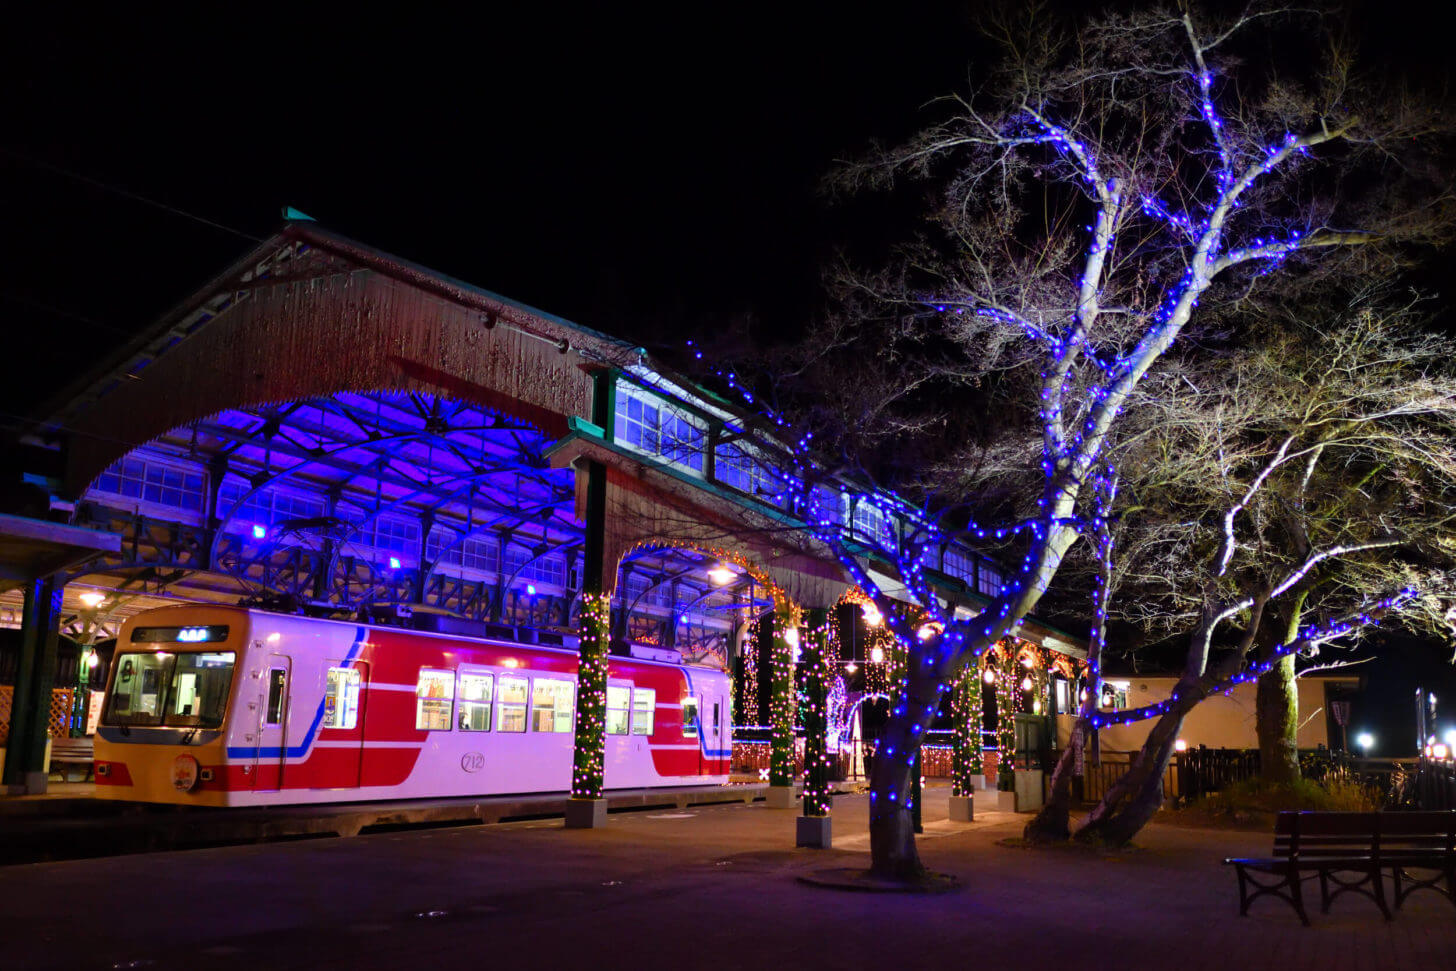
(461, 701)
(441, 676)
(650, 710)
(625, 711)
(502, 707)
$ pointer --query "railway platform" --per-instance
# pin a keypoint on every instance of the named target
(69, 824)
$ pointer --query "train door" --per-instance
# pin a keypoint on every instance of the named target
(341, 727)
(692, 728)
(270, 746)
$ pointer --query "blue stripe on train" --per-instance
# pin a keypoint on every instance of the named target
(718, 753)
(278, 752)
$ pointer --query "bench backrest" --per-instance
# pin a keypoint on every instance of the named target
(1313, 835)
(67, 746)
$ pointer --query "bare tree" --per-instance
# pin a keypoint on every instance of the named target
(1280, 497)
(1110, 191)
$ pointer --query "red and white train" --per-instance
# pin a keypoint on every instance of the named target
(223, 706)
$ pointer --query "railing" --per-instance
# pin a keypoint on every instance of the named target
(1434, 785)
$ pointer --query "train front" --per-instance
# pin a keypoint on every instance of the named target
(165, 718)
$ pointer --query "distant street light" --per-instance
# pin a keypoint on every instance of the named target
(1365, 740)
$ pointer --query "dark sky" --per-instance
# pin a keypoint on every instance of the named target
(620, 169)
(643, 172)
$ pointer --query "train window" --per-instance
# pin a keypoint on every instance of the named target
(166, 688)
(644, 706)
(551, 705)
(277, 678)
(511, 704)
(619, 701)
(341, 698)
(690, 717)
(434, 700)
(475, 692)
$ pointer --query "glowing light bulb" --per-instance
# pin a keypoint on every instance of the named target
(1025, 684)
(1180, 746)
(92, 598)
(877, 655)
(872, 616)
(720, 575)
(989, 677)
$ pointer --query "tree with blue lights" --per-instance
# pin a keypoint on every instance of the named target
(1279, 496)
(1113, 192)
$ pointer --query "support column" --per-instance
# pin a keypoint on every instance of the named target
(587, 808)
(813, 828)
(782, 701)
(966, 775)
(30, 712)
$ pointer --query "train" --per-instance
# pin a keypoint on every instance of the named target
(231, 706)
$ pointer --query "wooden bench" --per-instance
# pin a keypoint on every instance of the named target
(1348, 851)
(68, 752)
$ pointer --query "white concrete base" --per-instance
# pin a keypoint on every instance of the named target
(586, 813)
(963, 809)
(978, 781)
(779, 797)
(1005, 801)
(1028, 790)
(813, 832)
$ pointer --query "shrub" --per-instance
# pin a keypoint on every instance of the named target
(1339, 790)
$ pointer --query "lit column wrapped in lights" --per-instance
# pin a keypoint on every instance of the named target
(966, 740)
(815, 658)
(1008, 678)
(782, 697)
(591, 695)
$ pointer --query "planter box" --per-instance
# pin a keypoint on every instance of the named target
(813, 832)
(1005, 801)
(779, 797)
(962, 809)
(1028, 790)
(586, 813)
(978, 782)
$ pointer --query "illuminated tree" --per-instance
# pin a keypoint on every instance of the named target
(1291, 492)
(1107, 195)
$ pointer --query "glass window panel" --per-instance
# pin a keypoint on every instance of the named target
(434, 700)
(551, 700)
(475, 696)
(690, 717)
(619, 699)
(341, 698)
(644, 708)
(277, 684)
(511, 704)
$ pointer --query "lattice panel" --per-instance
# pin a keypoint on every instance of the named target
(59, 725)
(7, 696)
(60, 714)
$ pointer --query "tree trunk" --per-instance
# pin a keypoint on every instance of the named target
(893, 854)
(1277, 720)
(1137, 796)
(1053, 823)
(1276, 703)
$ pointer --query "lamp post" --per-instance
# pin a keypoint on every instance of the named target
(91, 602)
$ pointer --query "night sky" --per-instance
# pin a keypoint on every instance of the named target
(649, 174)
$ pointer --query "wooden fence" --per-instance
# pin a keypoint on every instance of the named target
(60, 717)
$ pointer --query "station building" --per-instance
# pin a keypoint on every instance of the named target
(327, 429)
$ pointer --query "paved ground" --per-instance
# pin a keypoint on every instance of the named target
(703, 888)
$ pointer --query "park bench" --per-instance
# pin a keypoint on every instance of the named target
(1348, 851)
(69, 752)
